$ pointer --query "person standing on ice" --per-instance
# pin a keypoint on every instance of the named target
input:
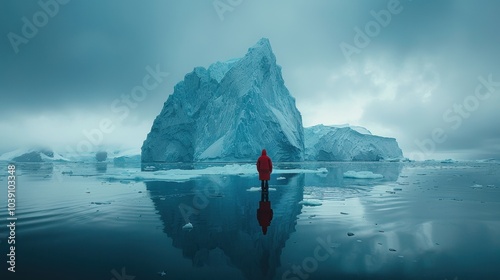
(265, 168)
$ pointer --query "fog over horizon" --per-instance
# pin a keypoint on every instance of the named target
(424, 72)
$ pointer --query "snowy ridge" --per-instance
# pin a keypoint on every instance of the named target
(13, 154)
(51, 155)
(125, 153)
(359, 129)
(55, 157)
(32, 155)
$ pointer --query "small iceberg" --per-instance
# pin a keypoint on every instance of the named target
(188, 226)
(280, 178)
(100, 203)
(258, 189)
(392, 159)
(476, 186)
(488, 160)
(311, 202)
(362, 175)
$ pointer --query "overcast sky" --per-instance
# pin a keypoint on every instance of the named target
(413, 74)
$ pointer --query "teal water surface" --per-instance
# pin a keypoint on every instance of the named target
(421, 221)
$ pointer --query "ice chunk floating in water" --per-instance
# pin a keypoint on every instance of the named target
(187, 174)
(311, 202)
(258, 189)
(362, 175)
(188, 226)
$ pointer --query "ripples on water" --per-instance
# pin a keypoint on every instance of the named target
(421, 221)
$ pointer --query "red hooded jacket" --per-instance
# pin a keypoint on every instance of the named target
(264, 166)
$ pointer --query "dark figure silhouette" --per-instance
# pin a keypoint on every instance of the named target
(265, 168)
(264, 213)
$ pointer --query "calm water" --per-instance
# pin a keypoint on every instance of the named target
(421, 221)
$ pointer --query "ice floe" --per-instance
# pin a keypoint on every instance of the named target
(187, 174)
(258, 189)
(188, 226)
(362, 175)
(311, 202)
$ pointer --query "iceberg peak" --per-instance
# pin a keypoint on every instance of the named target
(263, 46)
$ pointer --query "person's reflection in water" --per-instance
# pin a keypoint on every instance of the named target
(264, 213)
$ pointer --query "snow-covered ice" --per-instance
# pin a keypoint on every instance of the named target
(311, 202)
(187, 226)
(362, 175)
(187, 174)
(42, 155)
(258, 189)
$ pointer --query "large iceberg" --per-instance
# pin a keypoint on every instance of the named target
(229, 112)
(233, 109)
(344, 143)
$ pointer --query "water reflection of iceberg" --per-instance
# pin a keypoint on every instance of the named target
(225, 230)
